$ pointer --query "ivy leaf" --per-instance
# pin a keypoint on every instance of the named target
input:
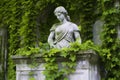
(65, 79)
(72, 57)
(63, 54)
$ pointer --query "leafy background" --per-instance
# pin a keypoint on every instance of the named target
(28, 23)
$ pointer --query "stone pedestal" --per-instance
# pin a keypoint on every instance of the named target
(87, 67)
(26, 70)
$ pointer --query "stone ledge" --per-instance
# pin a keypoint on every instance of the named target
(81, 55)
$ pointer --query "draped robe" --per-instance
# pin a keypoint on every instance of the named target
(64, 34)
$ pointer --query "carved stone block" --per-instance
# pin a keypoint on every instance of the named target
(87, 67)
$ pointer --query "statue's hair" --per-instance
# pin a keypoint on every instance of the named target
(61, 9)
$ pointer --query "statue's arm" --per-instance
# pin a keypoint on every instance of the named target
(51, 38)
(77, 36)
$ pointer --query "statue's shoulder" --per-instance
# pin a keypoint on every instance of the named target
(74, 26)
(54, 26)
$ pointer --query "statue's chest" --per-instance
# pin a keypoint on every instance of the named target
(63, 29)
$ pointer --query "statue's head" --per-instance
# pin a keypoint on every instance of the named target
(62, 10)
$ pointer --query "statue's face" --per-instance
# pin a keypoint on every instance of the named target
(60, 16)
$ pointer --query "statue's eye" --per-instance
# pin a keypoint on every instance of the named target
(58, 14)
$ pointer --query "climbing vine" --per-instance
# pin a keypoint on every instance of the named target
(111, 16)
(28, 23)
(59, 63)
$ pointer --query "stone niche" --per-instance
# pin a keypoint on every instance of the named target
(87, 67)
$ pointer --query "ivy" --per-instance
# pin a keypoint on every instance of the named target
(68, 57)
(110, 45)
(28, 23)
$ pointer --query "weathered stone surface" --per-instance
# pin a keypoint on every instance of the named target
(97, 29)
(25, 72)
(87, 67)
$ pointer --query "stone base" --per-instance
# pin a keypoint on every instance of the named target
(87, 68)
(26, 72)
(85, 71)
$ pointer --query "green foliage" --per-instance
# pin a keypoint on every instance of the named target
(29, 21)
(59, 70)
(11, 70)
(31, 51)
(110, 46)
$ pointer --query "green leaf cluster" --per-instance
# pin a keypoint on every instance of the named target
(61, 62)
(110, 41)
(28, 23)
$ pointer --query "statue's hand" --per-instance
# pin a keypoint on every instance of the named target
(52, 46)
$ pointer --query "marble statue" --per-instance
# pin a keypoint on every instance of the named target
(64, 32)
